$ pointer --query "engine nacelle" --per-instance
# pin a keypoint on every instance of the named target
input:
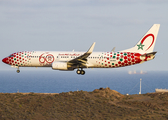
(59, 66)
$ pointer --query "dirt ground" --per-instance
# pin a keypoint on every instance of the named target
(100, 104)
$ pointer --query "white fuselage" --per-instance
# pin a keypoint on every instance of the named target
(95, 60)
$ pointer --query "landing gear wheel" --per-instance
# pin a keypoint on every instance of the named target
(82, 72)
(78, 72)
(18, 71)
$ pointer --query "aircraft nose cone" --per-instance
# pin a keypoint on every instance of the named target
(5, 60)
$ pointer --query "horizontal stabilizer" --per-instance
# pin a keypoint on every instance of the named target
(148, 54)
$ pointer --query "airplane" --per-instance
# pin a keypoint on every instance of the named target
(68, 61)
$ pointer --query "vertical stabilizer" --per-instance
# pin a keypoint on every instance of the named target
(147, 43)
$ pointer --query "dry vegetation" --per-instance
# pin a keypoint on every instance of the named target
(81, 105)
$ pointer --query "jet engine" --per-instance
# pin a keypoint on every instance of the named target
(59, 66)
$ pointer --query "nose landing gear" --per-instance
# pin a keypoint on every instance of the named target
(18, 71)
(82, 72)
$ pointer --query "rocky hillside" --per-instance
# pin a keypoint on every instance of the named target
(81, 105)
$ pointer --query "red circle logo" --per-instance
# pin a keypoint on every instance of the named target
(147, 37)
(45, 57)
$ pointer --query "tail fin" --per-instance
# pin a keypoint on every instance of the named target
(147, 43)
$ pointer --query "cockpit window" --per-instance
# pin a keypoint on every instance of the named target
(11, 55)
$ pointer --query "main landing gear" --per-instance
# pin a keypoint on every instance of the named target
(82, 72)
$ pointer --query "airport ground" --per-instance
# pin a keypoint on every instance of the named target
(103, 104)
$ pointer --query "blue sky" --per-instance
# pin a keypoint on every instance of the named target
(75, 24)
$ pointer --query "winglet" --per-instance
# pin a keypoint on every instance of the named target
(91, 48)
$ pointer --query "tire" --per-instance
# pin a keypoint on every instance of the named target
(82, 72)
(18, 71)
(78, 72)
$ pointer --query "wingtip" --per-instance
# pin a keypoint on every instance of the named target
(157, 25)
(91, 48)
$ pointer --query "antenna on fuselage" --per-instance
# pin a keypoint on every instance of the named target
(113, 49)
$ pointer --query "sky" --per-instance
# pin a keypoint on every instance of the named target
(66, 25)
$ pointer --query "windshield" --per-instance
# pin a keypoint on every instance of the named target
(11, 55)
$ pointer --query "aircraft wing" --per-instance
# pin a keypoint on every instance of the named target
(81, 60)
